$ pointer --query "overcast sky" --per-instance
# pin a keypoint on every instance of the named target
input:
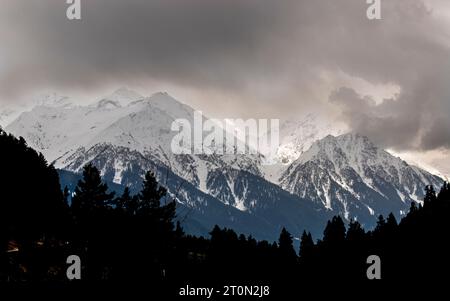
(388, 79)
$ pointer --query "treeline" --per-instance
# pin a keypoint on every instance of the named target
(134, 238)
(413, 249)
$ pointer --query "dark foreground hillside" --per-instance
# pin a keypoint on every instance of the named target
(132, 240)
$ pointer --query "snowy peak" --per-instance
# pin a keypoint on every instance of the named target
(165, 102)
(145, 124)
(58, 130)
(352, 176)
(11, 112)
(340, 147)
(352, 150)
(297, 136)
(52, 100)
(123, 96)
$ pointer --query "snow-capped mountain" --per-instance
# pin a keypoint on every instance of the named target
(52, 100)
(123, 96)
(126, 134)
(125, 141)
(10, 112)
(296, 137)
(351, 176)
(261, 210)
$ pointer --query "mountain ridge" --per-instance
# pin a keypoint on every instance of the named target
(344, 174)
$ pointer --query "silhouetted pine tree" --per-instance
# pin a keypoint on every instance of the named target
(354, 253)
(149, 204)
(33, 215)
(94, 231)
(331, 249)
(285, 243)
(152, 237)
(307, 255)
(151, 194)
(124, 200)
(306, 245)
(179, 232)
(287, 253)
(391, 223)
(334, 232)
(355, 233)
(91, 194)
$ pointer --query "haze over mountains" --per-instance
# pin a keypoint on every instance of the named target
(323, 170)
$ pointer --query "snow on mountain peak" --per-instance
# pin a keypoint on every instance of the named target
(350, 174)
(52, 99)
(351, 149)
(123, 96)
(165, 102)
(296, 137)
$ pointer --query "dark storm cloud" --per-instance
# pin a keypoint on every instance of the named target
(272, 53)
(197, 42)
(418, 118)
(387, 127)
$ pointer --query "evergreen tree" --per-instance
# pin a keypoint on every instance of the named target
(124, 201)
(355, 232)
(306, 245)
(32, 210)
(179, 232)
(334, 232)
(285, 245)
(216, 234)
(90, 194)
(149, 205)
(151, 194)
(381, 223)
(391, 222)
(154, 237)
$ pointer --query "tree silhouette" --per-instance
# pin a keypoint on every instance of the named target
(90, 194)
(381, 224)
(124, 201)
(286, 249)
(306, 245)
(391, 223)
(334, 232)
(151, 194)
(355, 233)
(149, 204)
(33, 214)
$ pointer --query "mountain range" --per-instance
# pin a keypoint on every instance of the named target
(322, 171)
